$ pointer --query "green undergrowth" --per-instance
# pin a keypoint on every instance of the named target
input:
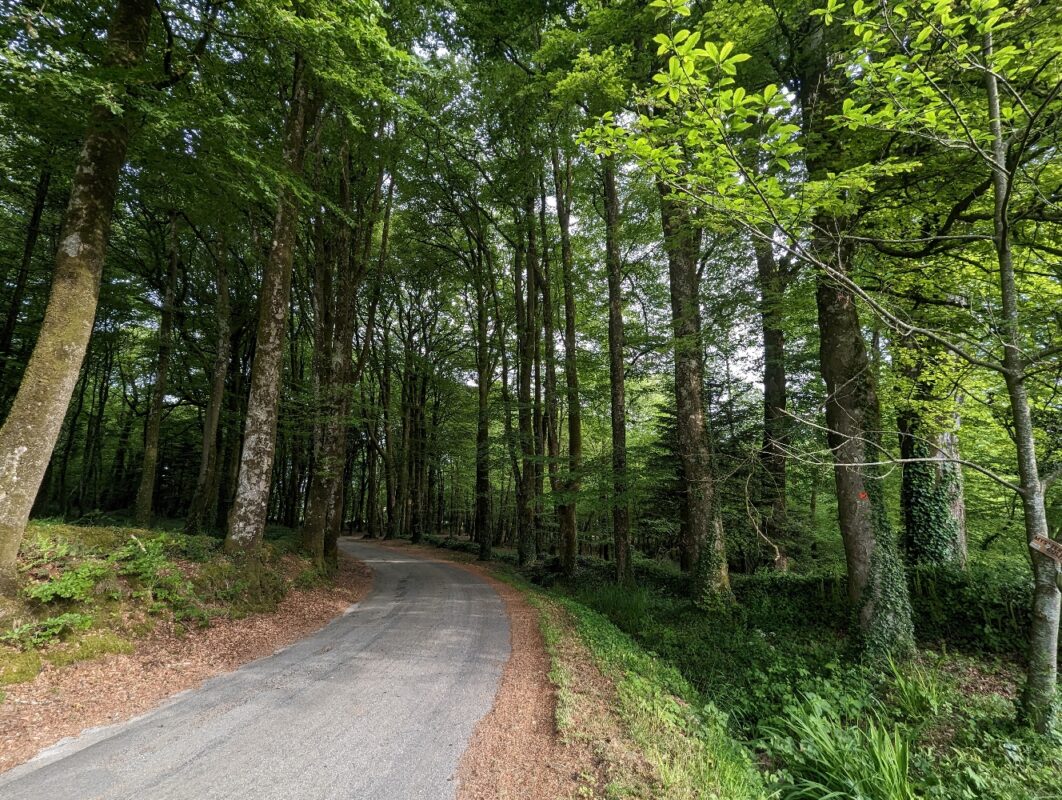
(92, 590)
(682, 734)
(820, 723)
(679, 732)
(787, 689)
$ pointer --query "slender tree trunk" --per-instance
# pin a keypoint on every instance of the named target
(705, 546)
(549, 317)
(1040, 696)
(877, 586)
(251, 504)
(567, 511)
(483, 379)
(32, 426)
(204, 497)
(146, 493)
(775, 420)
(114, 496)
(621, 522)
(18, 293)
(524, 273)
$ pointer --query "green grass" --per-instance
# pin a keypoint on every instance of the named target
(19, 667)
(91, 646)
(683, 736)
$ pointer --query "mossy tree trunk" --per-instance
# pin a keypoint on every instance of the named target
(931, 493)
(250, 506)
(526, 266)
(32, 427)
(704, 543)
(484, 368)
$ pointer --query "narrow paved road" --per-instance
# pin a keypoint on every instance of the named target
(378, 705)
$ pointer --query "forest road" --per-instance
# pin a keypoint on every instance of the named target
(378, 705)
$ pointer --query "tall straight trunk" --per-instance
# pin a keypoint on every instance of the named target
(877, 587)
(389, 455)
(32, 427)
(1039, 698)
(621, 521)
(483, 379)
(113, 497)
(524, 273)
(773, 503)
(205, 494)
(549, 317)
(91, 460)
(60, 495)
(250, 506)
(567, 510)
(18, 293)
(334, 369)
(146, 493)
(704, 546)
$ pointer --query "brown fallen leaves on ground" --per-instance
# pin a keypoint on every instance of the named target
(516, 752)
(62, 702)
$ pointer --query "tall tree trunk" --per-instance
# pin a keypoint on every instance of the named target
(205, 495)
(115, 497)
(250, 506)
(146, 493)
(877, 586)
(773, 504)
(389, 455)
(321, 519)
(484, 534)
(567, 510)
(621, 521)
(18, 293)
(549, 317)
(1040, 696)
(32, 426)
(524, 273)
(704, 546)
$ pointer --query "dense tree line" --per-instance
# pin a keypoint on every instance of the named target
(587, 278)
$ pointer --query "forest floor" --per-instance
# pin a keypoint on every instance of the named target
(767, 696)
(114, 638)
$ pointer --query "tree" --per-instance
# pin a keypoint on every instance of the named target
(32, 426)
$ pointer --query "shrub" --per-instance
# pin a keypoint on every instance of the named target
(825, 758)
(76, 584)
(36, 634)
(915, 691)
(244, 587)
(158, 578)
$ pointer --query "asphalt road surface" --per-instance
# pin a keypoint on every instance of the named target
(378, 705)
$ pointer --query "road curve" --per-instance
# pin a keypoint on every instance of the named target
(378, 705)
